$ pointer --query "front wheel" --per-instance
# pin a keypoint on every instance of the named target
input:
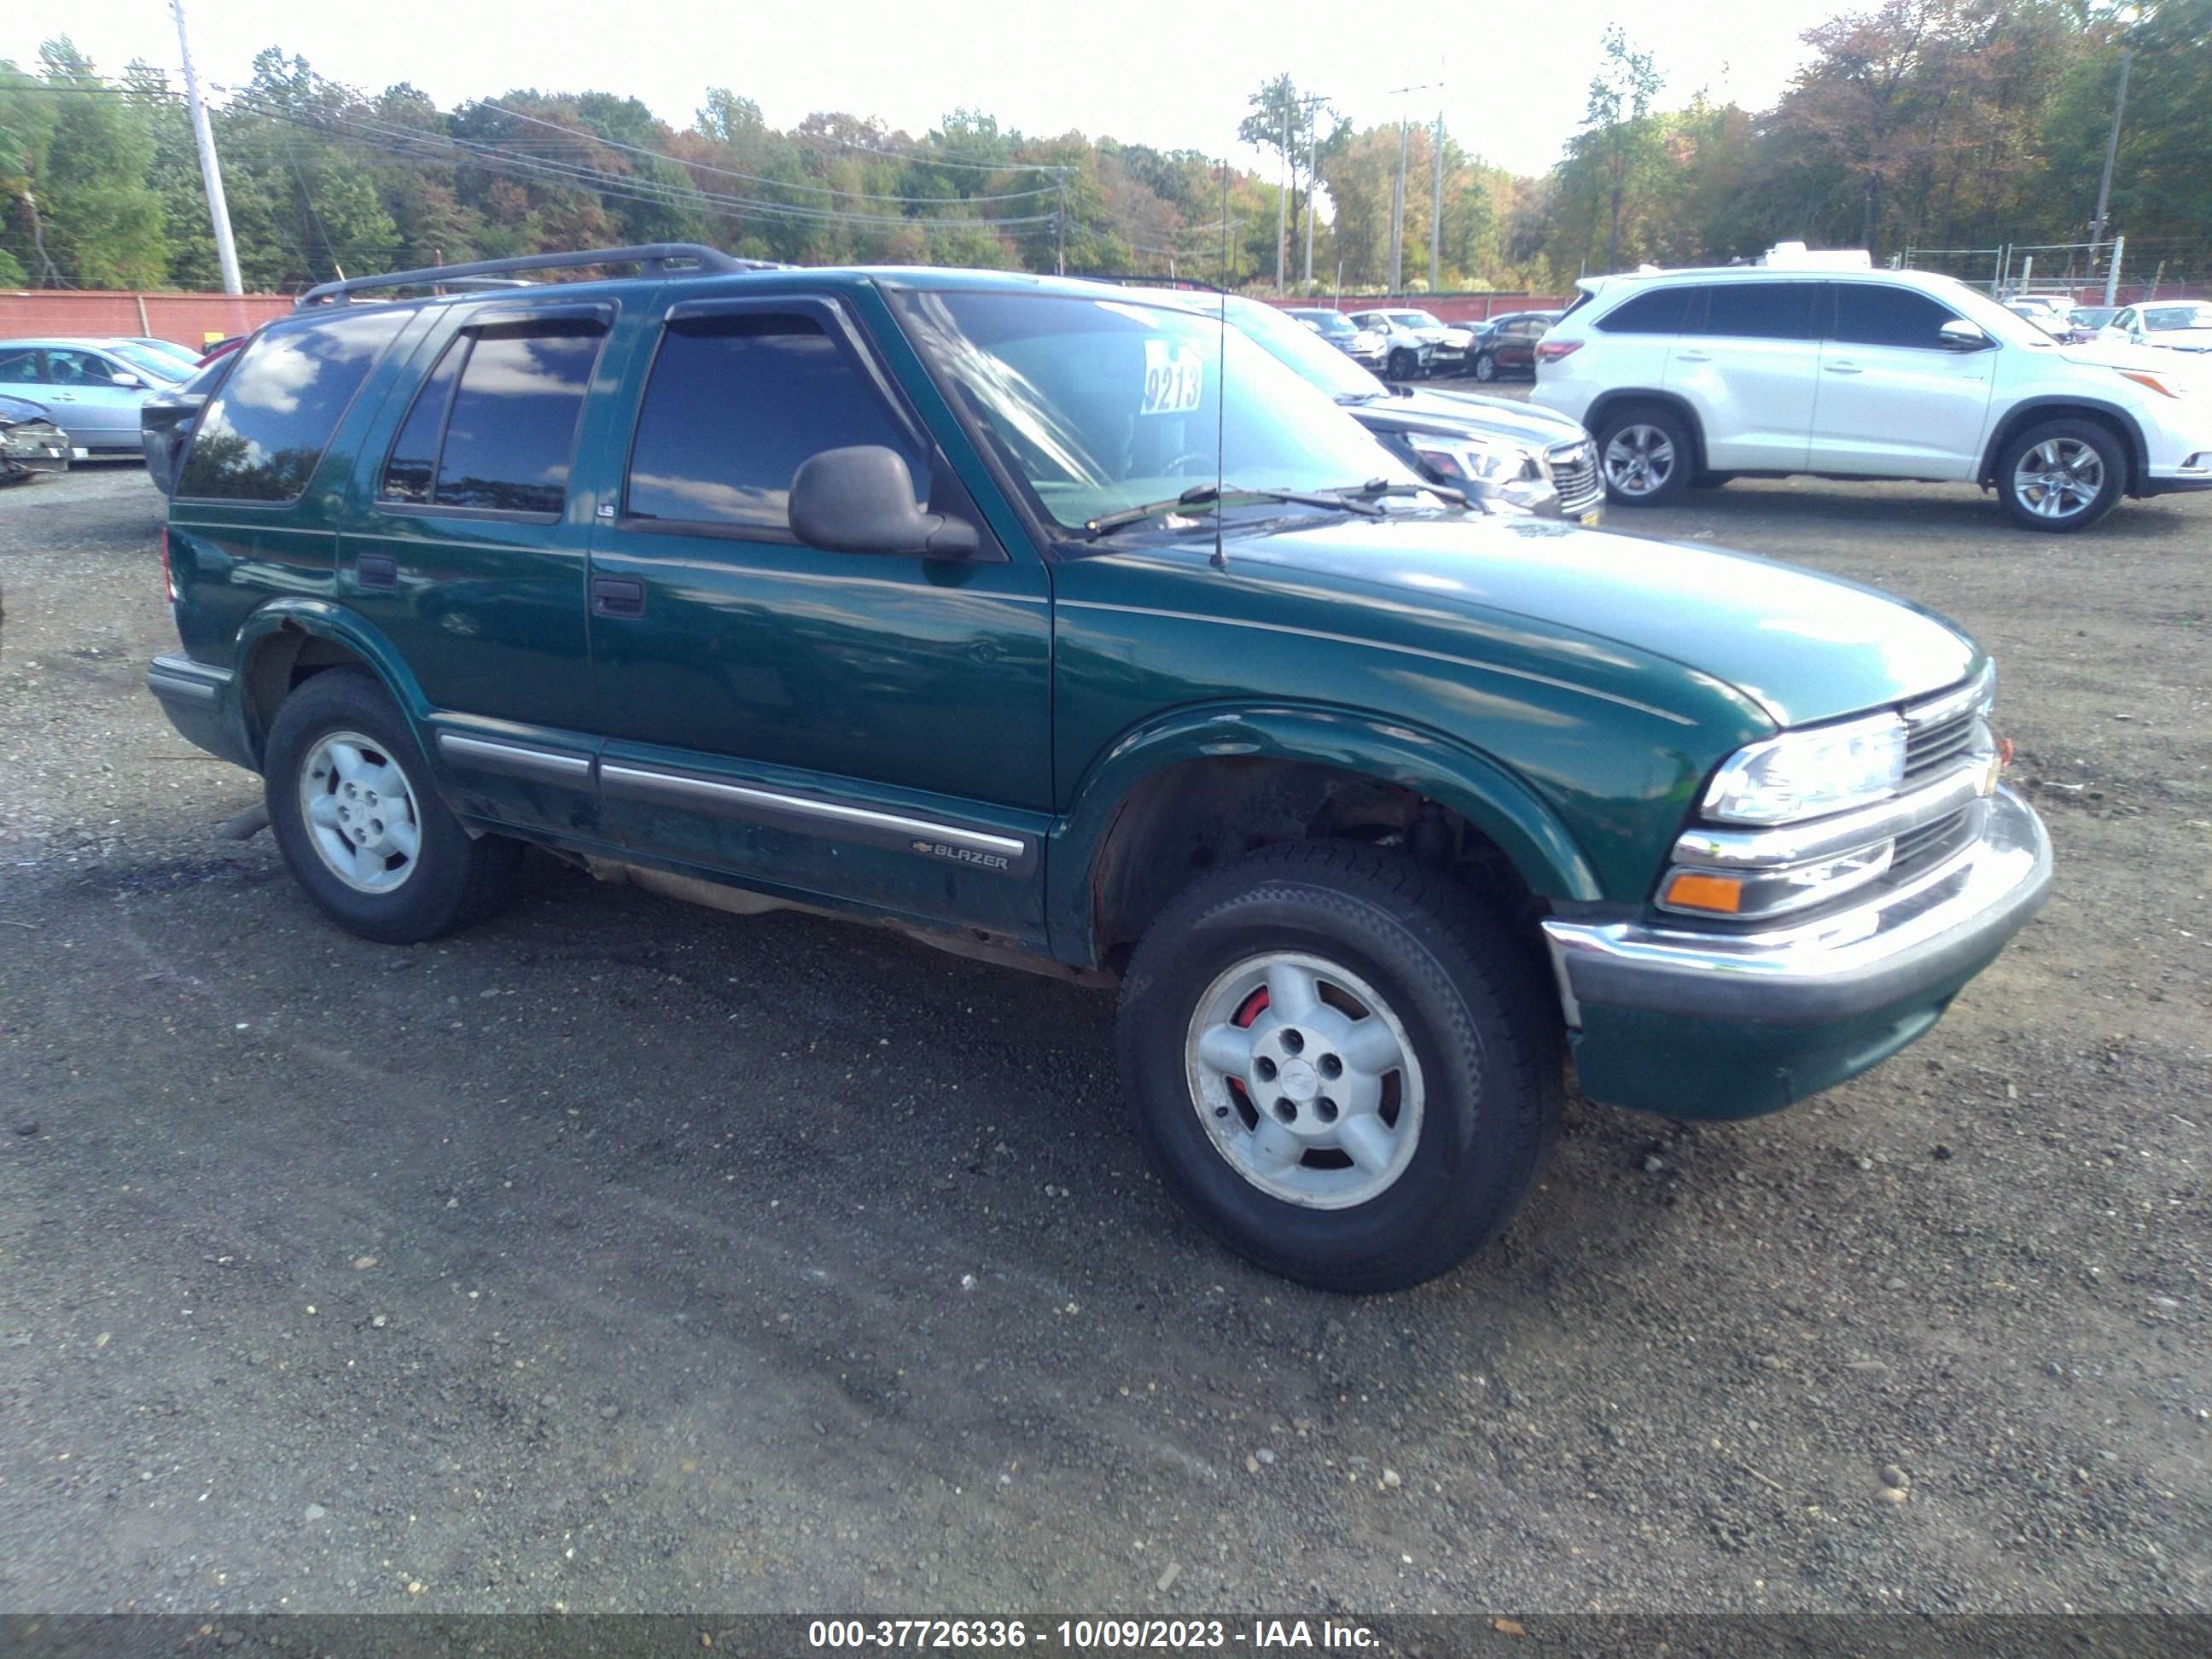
(360, 825)
(1644, 451)
(1403, 365)
(1486, 368)
(2062, 475)
(1342, 1064)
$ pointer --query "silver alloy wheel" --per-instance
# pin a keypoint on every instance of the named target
(360, 812)
(1486, 368)
(1639, 459)
(1304, 1080)
(2059, 478)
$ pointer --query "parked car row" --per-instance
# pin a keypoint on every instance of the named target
(1690, 378)
(1413, 345)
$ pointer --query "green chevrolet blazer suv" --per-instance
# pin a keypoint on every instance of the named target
(1061, 626)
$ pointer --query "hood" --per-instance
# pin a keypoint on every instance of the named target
(1454, 415)
(2117, 354)
(1802, 646)
(2180, 339)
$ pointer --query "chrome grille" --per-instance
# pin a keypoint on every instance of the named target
(1575, 476)
(1930, 749)
(1931, 843)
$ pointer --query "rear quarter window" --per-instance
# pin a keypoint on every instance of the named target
(265, 431)
(1659, 311)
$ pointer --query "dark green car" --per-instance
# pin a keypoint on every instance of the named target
(1062, 627)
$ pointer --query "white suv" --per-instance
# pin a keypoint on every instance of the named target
(1692, 376)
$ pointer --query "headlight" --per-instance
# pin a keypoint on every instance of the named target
(1806, 774)
(1472, 460)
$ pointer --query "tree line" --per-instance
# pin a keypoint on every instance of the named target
(1916, 124)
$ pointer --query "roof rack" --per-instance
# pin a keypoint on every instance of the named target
(659, 259)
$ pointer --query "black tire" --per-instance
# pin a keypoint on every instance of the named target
(1485, 367)
(1403, 365)
(454, 880)
(2073, 442)
(1474, 1006)
(1667, 461)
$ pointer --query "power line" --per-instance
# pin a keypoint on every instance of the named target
(754, 178)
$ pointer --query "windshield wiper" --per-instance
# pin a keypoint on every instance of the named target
(1376, 489)
(1208, 496)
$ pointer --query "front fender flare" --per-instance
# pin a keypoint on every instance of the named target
(1490, 797)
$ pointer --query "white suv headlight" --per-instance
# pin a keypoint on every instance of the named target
(1807, 775)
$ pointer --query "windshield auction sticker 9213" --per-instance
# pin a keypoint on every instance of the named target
(1175, 377)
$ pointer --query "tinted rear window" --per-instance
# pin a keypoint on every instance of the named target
(1874, 313)
(264, 433)
(512, 430)
(1755, 311)
(734, 406)
(1660, 311)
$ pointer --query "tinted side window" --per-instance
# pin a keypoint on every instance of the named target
(734, 406)
(1660, 310)
(512, 432)
(265, 430)
(1757, 311)
(414, 459)
(1874, 313)
(21, 368)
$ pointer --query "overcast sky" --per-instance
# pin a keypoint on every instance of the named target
(1171, 73)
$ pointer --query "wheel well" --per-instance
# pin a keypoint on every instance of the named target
(1187, 818)
(2037, 414)
(282, 663)
(1605, 404)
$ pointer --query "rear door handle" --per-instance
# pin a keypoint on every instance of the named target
(1695, 356)
(617, 596)
(1844, 368)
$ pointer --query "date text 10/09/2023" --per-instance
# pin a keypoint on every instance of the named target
(1091, 1634)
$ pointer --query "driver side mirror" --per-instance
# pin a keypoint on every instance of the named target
(1958, 335)
(128, 382)
(860, 500)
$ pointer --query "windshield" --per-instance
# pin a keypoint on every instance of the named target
(1414, 319)
(1329, 323)
(1101, 405)
(2159, 318)
(162, 367)
(1306, 353)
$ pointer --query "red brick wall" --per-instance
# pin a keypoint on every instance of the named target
(188, 318)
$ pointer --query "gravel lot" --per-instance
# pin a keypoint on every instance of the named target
(620, 1256)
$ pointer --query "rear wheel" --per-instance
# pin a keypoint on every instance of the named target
(2062, 475)
(360, 825)
(1644, 451)
(1341, 1063)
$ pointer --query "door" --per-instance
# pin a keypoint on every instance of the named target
(465, 547)
(864, 728)
(1893, 400)
(1747, 359)
(84, 395)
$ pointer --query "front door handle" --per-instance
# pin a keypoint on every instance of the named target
(1844, 368)
(1695, 356)
(617, 596)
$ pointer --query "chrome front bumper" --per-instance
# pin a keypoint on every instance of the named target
(1904, 943)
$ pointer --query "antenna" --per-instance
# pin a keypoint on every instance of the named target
(1220, 560)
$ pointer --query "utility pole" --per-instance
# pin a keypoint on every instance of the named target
(1059, 225)
(226, 250)
(1398, 192)
(1283, 199)
(1313, 175)
(2111, 148)
(1437, 207)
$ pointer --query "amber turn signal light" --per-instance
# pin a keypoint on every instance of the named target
(1695, 891)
